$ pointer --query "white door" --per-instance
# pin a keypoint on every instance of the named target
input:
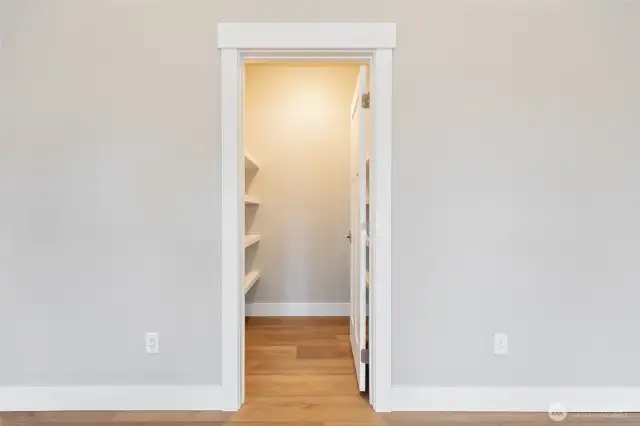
(358, 229)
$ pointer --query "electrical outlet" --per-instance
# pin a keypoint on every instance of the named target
(152, 343)
(500, 344)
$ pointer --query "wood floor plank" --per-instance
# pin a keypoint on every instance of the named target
(278, 338)
(170, 416)
(64, 417)
(297, 321)
(323, 352)
(281, 352)
(306, 409)
(301, 366)
(463, 417)
(291, 385)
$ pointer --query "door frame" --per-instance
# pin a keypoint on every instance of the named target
(241, 42)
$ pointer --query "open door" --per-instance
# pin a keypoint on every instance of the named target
(358, 229)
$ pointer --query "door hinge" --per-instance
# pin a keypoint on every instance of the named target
(364, 356)
(366, 99)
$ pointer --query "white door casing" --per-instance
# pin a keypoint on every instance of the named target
(238, 42)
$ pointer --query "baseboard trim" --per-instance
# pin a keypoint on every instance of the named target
(110, 398)
(297, 309)
(526, 399)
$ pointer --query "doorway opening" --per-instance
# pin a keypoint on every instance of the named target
(239, 43)
(307, 149)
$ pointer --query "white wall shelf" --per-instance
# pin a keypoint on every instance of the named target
(251, 199)
(251, 239)
(250, 162)
(250, 279)
(251, 275)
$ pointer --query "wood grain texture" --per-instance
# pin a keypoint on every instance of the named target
(298, 374)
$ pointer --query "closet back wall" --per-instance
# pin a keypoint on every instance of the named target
(297, 127)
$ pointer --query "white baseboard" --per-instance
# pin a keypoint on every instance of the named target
(535, 399)
(297, 309)
(109, 398)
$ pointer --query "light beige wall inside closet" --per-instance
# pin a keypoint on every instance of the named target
(297, 127)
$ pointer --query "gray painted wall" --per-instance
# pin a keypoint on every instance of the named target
(109, 194)
(516, 188)
(297, 126)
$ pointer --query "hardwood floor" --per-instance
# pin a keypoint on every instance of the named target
(299, 372)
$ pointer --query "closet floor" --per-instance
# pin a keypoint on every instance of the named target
(299, 372)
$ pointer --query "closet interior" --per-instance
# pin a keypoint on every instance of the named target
(306, 227)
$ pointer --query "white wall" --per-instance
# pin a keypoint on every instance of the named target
(297, 125)
(517, 134)
(109, 216)
(515, 176)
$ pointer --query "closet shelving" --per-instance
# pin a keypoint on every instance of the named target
(250, 279)
(251, 239)
(250, 162)
(251, 199)
(251, 276)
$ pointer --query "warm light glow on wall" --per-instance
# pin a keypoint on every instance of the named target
(307, 104)
(301, 98)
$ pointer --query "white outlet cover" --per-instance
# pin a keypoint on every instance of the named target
(500, 344)
(152, 343)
